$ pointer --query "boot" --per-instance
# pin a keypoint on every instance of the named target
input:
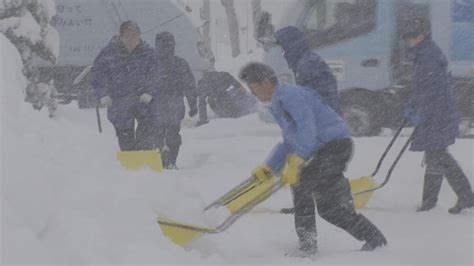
(377, 241)
(304, 250)
(459, 182)
(365, 230)
(431, 188)
(165, 157)
(306, 231)
(462, 203)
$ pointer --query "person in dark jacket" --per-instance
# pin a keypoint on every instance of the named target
(169, 108)
(316, 148)
(431, 109)
(309, 68)
(224, 94)
(122, 78)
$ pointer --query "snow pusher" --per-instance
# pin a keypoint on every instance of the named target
(135, 160)
(362, 188)
(238, 201)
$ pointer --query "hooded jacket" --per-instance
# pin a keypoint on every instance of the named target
(309, 68)
(177, 81)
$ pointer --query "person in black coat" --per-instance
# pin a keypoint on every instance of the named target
(168, 107)
(431, 109)
(224, 94)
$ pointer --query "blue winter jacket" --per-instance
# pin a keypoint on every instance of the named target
(309, 68)
(124, 76)
(307, 123)
(431, 107)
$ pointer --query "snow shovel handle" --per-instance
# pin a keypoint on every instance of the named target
(231, 193)
(387, 150)
(397, 159)
(98, 118)
(389, 174)
(232, 218)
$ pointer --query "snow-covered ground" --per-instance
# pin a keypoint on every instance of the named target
(65, 198)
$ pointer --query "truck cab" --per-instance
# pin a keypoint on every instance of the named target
(360, 40)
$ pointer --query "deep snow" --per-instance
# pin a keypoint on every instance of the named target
(65, 199)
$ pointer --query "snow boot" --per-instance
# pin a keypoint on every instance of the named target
(364, 229)
(461, 204)
(431, 188)
(165, 157)
(304, 250)
(376, 242)
(171, 166)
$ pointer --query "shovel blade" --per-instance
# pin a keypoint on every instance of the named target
(182, 234)
(135, 160)
(362, 184)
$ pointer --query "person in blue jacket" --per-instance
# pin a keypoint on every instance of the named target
(122, 79)
(177, 82)
(432, 110)
(309, 68)
(316, 148)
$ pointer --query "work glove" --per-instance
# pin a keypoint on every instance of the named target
(262, 173)
(291, 172)
(146, 98)
(106, 100)
(192, 112)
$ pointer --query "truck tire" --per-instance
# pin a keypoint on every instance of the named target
(360, 121)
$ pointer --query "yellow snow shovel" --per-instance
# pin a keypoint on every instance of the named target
(362, 188)
(238, 201)
(135, 160)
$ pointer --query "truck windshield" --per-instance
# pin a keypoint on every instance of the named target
(333, 21)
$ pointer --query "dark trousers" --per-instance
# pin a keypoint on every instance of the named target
(169, 135)
(140, 139)
(438, 164)
(323, 185)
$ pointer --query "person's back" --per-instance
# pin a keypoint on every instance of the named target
(309, 68)
(322, 123)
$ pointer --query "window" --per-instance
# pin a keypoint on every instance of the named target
(333, 21)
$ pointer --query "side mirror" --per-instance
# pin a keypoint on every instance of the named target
(264, 30)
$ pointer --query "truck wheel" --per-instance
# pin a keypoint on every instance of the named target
(465, 128)
(359, 120)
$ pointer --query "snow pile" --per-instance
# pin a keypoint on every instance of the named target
(12, 81)
(22, 217)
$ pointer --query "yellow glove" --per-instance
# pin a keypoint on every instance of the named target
(291, 172)
(262, 173)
